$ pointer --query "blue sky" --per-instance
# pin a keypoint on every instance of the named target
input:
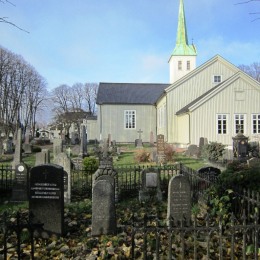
(73, 41)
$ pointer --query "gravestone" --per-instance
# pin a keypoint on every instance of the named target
(18, 149)
(151, 138)
(64, 161)
(179, 200)
(150, 186)
(57, 147)
(139, 142)
(103, 209)
(1, 146)
(77, 163)
(8, 146)
(83, 142)
(160, 149)
(253, 162)
(209, 174)
(109, 140)
(193, 150)
(46, 197)
(27, 146)
(42, 157)
(202, 142)
(20, 186)
(104, 197)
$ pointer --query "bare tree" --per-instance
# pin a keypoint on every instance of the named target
(253, 70)
(90, 95)
(21, 89)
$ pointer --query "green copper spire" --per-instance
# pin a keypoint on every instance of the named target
(182, 47)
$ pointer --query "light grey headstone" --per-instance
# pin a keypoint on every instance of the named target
(57, 147)
(18, 149)
(179, 199)
(151, 138)
(253, 162)
(83, 142)
(64, 161)
(42, 157)
(1, 146)
(8, 146)
(103, 208)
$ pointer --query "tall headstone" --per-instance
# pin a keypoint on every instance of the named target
(27, 146)
(64, 161)
(8, 146)
(42, 157)
(20, 186)
(160, 149)
(151, 138)
(103, 202)
(150, 187)
(139, 142)
(83, 142)
(46, 197)
(57, 147)
(179, 200)
(1, 146)
(18, 149)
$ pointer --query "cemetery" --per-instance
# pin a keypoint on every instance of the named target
(129, 201)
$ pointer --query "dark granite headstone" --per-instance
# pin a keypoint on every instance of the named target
(46, 198)
(179, 200)
(103, 208)
(20, 187)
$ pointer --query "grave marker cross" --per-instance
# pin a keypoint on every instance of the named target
(139, 132)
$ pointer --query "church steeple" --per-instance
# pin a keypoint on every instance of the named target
(183, 57)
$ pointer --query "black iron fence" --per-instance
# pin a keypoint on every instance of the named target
(154, 237)
(209, 238)
(128, 179)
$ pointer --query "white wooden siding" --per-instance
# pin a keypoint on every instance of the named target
(203, 119)
(112, 122)
(191, 89)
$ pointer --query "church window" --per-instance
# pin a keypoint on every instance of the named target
(179, 65)
(256, 123)
(130, 117)
(188, 65)
(239, 123)
(222, 124)
(217, 79)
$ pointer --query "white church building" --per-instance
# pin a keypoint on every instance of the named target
(212, 101)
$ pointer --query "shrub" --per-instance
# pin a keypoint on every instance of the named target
(169, 152)
(90, 163)
(213, 151)
(142, 156)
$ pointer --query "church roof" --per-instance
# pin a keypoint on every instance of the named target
(182, 46)
(130, 93)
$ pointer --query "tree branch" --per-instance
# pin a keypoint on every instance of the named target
(4, 20)
(246, 2)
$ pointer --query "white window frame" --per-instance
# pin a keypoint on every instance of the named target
(217, 79)
(179, 65)
(188, 64)
(221, 121)
(256, 118)
(130, 119)
(240, 119)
